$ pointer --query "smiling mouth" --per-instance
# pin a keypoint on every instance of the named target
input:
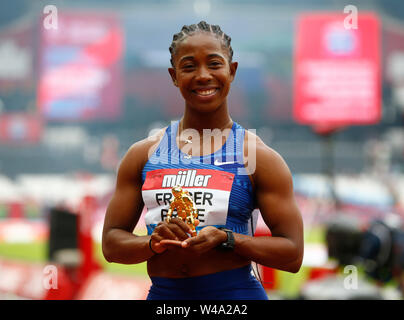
(205, 92)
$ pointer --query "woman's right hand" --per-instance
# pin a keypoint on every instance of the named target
(176, 230)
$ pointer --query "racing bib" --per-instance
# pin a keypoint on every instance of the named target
(209, 189)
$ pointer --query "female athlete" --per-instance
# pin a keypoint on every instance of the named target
(227, 170)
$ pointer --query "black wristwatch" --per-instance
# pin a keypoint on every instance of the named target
(229, 244)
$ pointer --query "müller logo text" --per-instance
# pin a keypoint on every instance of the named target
(185, 178)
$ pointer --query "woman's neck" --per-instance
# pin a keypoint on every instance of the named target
(220, 119)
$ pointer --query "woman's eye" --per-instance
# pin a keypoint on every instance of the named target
(215, 64)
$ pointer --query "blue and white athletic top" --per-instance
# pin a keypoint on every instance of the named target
(218, 183)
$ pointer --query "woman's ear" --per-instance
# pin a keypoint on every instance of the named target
(233, 69)
(173, 75)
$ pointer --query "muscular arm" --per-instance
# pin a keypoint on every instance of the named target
(274, 194)
(275, 199)
(119, 244)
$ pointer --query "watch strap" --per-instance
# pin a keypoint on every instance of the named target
(229, 243)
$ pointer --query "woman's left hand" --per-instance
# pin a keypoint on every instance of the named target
(207, 239)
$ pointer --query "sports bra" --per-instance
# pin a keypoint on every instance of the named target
(217, 182)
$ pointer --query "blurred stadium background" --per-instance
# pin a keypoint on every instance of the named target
(72, 101)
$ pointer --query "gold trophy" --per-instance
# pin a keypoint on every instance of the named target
(185, 208)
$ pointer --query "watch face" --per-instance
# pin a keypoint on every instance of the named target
(229, 244)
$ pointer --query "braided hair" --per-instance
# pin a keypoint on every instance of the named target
(200, 27)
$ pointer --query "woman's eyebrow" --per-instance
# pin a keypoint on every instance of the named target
(209, 56)
(186, 58)
(215, 55)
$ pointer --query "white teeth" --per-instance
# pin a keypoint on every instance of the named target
(205, 92)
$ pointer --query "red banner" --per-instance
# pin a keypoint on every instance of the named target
(80, 72)
(337, 70)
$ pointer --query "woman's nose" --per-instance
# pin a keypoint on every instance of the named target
(203, 74)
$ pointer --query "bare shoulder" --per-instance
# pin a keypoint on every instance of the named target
(148, 145)
(138, 153)
(267, 166)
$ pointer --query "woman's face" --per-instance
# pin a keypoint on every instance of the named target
(202, 72)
